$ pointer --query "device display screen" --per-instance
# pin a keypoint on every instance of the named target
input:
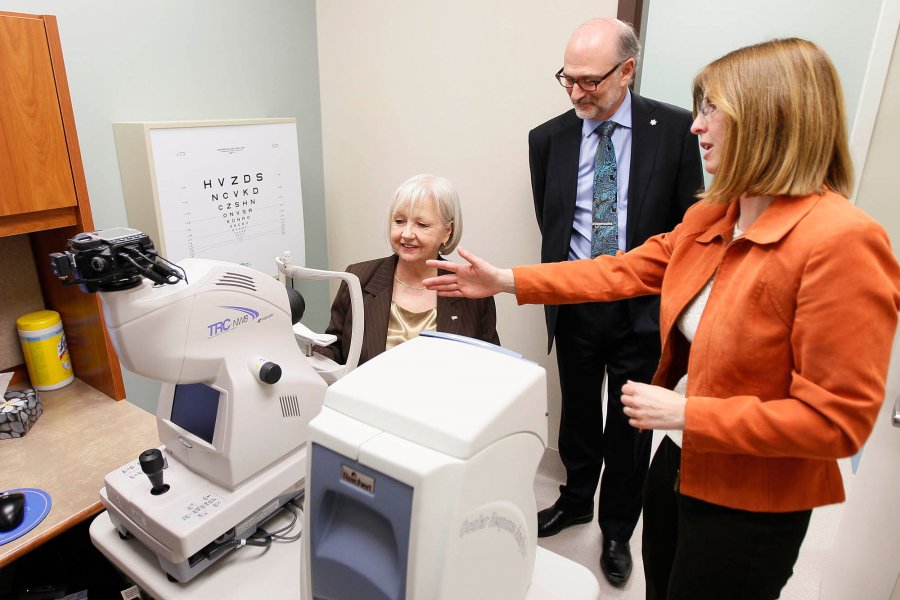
(194, 409)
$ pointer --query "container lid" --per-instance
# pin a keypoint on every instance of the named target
(40, 319)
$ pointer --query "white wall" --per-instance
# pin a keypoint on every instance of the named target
(684, 35)
(206, 59)
(865, 561)
(450, 88)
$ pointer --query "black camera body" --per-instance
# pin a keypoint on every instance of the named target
(112, 259)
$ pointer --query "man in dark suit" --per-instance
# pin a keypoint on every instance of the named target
(653, 162)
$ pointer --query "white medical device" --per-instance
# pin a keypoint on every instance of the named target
(236, 399)
(327, 369)
(420, 475)
(418, 469)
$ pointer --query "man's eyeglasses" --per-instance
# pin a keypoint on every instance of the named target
(585, 83)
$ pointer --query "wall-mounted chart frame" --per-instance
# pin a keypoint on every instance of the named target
(224, 190)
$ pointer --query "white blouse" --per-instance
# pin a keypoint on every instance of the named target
(687, 324)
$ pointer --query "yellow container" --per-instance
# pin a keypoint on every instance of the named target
(45, 350)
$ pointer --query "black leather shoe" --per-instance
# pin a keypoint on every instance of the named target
(553, 520)
(615, 561)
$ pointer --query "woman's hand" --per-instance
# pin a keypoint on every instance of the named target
(653, 407)
(477, 279)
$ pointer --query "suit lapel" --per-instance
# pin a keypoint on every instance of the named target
(644, 143)
(377, 301)
(449, 318)
(565, 158)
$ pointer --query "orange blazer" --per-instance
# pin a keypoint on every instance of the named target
(787, 369)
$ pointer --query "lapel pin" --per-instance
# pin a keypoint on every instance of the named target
(453, 318)
(652, 122)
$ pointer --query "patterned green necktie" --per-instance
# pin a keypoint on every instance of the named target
(605, 226)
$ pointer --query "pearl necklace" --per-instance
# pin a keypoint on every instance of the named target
(412, 287)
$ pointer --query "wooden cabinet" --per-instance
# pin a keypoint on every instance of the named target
(43, 192)
(35, 168)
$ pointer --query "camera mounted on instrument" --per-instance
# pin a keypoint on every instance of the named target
(112, 260)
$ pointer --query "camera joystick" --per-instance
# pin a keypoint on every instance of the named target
(152, 464)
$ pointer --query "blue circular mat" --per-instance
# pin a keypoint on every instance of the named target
(37, 506)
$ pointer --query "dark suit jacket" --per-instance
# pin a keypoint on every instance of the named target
(471, 318)
(665, 176)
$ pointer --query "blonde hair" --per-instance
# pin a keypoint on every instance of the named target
(786, 130)
(419, 187)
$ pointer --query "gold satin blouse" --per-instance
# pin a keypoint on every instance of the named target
(404, 325)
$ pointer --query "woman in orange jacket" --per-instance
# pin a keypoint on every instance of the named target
(779, 303)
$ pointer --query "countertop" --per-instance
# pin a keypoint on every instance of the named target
(81, 436)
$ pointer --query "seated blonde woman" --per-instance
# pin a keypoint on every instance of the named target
(424, 222)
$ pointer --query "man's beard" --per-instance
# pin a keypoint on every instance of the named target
(586, 111)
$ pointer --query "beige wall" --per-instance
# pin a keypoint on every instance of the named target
(450, 88)
(19, 294)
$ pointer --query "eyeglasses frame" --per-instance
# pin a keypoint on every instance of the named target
(597, 82)
(706, 108)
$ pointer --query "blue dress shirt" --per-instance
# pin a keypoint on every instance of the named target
(580, 245)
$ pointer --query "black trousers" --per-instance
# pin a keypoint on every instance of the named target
(697, 550)
(593, 340)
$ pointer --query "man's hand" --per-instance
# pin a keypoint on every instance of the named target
(476, 278)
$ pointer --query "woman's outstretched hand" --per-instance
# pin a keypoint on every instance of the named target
(652, 407)
(476, 278)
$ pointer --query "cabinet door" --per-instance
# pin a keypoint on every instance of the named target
(35, 172)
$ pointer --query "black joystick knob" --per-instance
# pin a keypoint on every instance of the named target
(153, 463)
